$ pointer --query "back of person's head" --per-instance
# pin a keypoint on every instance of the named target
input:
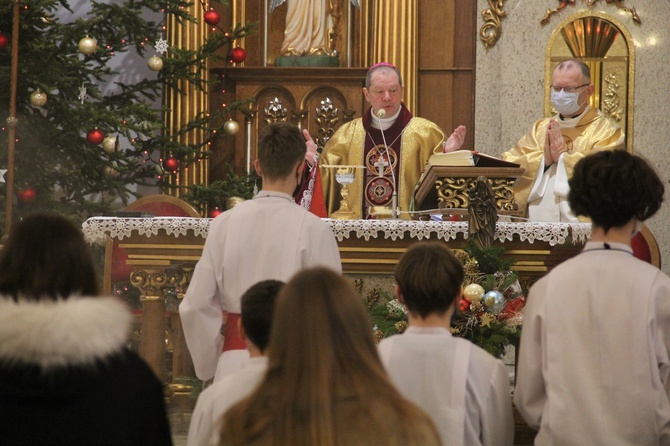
(280, 147)
(321, 352)
(574, 64)
(429, 277)
(613, 187)
(45, 256)
(258, 304)
(381, 67)
(321, 332)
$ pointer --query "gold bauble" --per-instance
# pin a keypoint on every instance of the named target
(38, 99)
(109, 144)
(231, 127)
(88, 45)
(110, 171)
(155, 63)
(233, 201)
(473, 293)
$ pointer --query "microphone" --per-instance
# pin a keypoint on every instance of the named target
(394, 197)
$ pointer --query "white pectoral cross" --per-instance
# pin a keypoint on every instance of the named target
(381, 165)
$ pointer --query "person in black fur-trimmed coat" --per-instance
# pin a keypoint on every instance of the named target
(66, 376)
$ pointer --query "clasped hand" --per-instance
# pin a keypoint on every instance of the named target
(554, 144)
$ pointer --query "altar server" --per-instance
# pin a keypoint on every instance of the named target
(267, 237)
(462, 387)
(594, 363)
(258, 304)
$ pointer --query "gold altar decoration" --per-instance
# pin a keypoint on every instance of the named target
(564, 3)
(492, 28)
(606, 46)
(397, 18)
(184, 105)
(452, 193)
(448, 187)
(275, 112)
(326, 120)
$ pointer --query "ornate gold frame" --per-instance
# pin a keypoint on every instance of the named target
(564, 3)
(549, 64)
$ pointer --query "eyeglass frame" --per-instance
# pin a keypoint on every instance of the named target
(568, 89)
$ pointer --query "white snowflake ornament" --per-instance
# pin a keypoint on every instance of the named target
(161, 46)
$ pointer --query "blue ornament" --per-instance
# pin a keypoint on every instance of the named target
(494, 301)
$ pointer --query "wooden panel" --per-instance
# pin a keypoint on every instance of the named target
(436, 98)
(437, 29)
(446, 80)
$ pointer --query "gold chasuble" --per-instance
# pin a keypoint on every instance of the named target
(358, 143)
(593, 133)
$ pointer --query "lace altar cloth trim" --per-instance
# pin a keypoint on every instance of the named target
(98, 228)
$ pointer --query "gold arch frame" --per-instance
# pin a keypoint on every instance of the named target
(550, 62)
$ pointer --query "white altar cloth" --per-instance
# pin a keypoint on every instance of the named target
(99, 228)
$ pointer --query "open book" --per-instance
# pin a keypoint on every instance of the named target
(467, 158)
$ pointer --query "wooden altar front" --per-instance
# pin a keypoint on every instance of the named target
(157, 255)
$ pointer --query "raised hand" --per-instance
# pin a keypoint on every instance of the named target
(455, 140)
(311, 147)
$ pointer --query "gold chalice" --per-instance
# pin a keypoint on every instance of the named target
(345, 175)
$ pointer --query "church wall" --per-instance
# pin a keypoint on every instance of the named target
(510, 78)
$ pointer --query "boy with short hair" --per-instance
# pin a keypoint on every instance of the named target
(463, 388)
(257, 309)
(267, 237)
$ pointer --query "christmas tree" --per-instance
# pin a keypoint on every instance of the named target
(82, 136)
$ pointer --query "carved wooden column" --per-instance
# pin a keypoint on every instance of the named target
(182, 366)
(151, 284)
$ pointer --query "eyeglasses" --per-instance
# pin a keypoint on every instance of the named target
(567, 89)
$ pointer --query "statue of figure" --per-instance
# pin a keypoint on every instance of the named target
(482, 212)
(309, 25)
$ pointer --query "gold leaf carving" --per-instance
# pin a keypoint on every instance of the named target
(491, 29)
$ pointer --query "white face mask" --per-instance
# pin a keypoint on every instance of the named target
(638, 228)
(565, 103)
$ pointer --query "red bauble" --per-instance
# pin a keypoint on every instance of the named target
(26, 195)
(95, 136)
(171, 164)
(237, 54)
(212, 17)
(464, 305)
(214, 212)
(4, 41)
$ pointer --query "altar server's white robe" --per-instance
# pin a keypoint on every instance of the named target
(594, 364)
(216, 399)
(268, 237)
(464, 389)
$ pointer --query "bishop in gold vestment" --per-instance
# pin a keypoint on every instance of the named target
(418, 139)
(391, 144)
